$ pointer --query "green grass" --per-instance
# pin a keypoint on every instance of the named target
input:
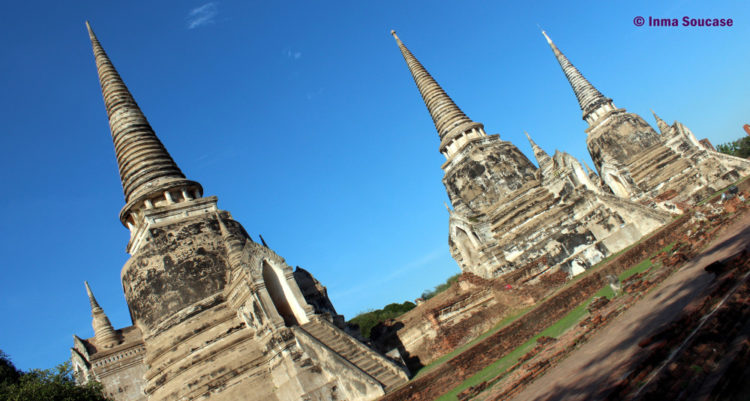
(499, 367)
(639, 268)
(606, 291)
(669, 247)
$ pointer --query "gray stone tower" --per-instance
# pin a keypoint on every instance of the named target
(510, 216)
(473, 183)
(219, 315)
(634, 162)
(615, 137)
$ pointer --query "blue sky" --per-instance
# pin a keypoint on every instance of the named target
(304, 120)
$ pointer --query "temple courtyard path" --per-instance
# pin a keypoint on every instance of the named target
(590, 371)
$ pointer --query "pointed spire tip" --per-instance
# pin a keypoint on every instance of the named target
(531, 141)
(547, 37)
(393, 32)
(92, 299)
(446, 115)
(92, 35)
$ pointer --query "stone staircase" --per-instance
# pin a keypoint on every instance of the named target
(356, 353)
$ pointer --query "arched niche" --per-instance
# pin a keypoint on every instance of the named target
(612, 178)
(617, 186)
(281, 294)
(466, 247)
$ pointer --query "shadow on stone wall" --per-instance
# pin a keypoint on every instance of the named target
(384, 338)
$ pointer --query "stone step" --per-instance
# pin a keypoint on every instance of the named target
(358, 359)
(368, 362)
(645, 165)
(392, 380)
(658, 168)
(368, 366)
(349, 350)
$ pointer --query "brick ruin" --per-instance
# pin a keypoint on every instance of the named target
(215, 314)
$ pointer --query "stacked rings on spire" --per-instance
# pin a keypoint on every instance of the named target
(143, 161)
(589, 98)
(445, 114)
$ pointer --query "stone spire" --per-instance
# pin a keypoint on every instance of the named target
(589, 98)
(231, 242)
(449, 120)
(589, 171)
(542, 158)
(104, 333)
(146, 168)
(661, 124)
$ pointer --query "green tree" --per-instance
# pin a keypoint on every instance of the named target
(8, 372)
(427, 294)
(739, 148)
(55, 384)
(367, 320)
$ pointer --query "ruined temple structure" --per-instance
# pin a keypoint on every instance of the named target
(635, 162)
(508, 214)
(215, 315)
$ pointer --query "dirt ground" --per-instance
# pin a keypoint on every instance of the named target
(589, 372)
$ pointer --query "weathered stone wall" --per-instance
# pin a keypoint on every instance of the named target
(572, 229)
(451, 319)
(123, 379)
(484, 172)
(120, 369)
(340, 379)
(182, 263)
(618, 138)
(458, 369)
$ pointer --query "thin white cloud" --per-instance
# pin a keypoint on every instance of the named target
(203, 15)
(294, 55)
